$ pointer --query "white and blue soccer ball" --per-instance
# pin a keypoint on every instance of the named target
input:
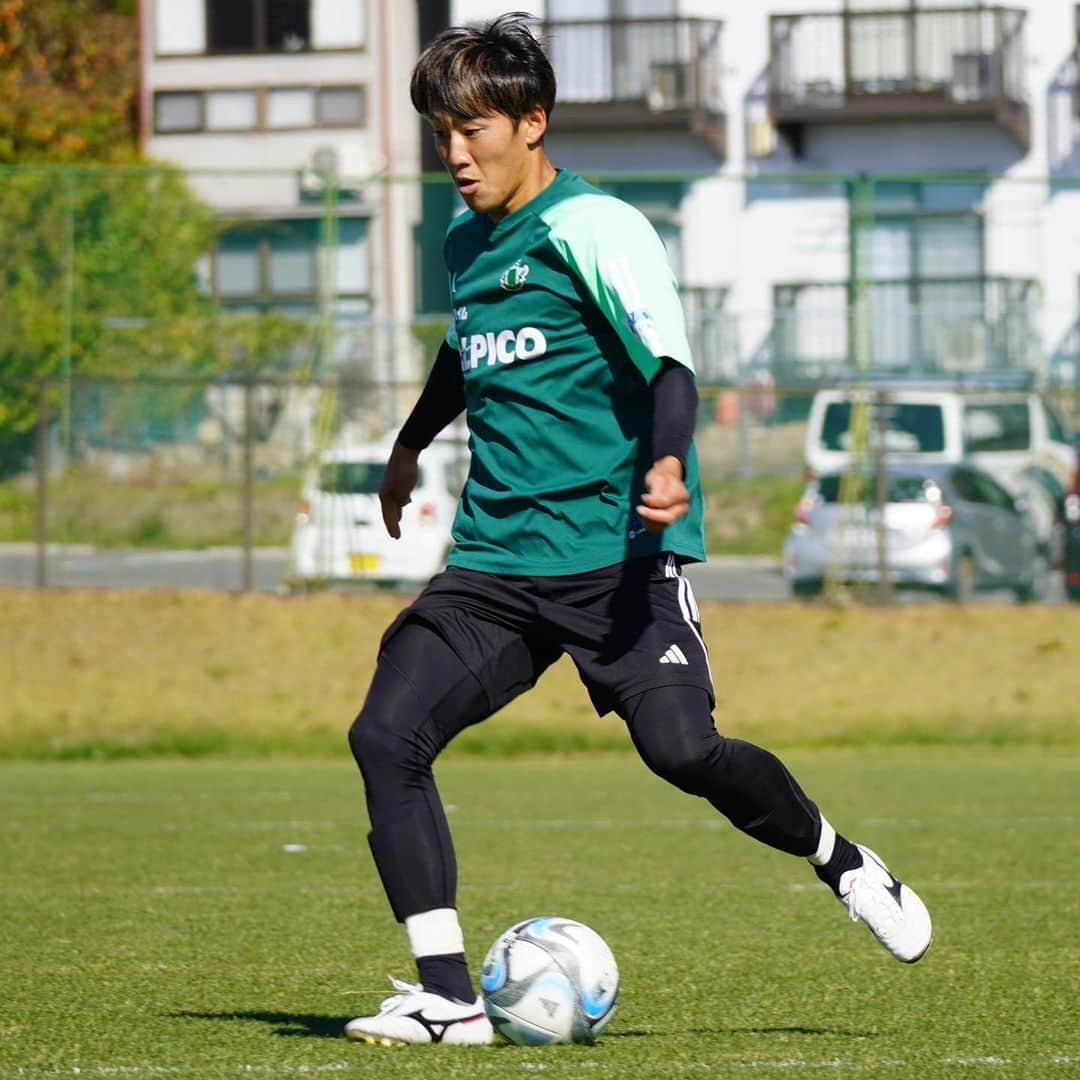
(549, 980)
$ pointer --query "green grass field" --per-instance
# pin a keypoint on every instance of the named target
(154, 923)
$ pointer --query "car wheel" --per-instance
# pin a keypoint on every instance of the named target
(805, 588)
(961, 585)
(1037, 587)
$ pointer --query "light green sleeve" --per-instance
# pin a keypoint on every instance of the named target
(620, 259)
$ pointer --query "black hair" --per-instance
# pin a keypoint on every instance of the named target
(472, 71)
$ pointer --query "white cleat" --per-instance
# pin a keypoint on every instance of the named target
(893, 912)
(412, 1016)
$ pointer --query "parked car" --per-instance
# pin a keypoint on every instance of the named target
(1072, 532)
(1014, 435)
(949, 528)
(339, 533)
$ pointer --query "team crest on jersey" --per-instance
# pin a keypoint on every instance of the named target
(513, 280)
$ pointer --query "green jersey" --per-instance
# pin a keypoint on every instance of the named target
(562, 313)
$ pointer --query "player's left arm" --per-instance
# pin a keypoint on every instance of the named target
(675, 401)
(621, 260)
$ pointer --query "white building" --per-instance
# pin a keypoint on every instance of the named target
(753, 121)
(276, 107)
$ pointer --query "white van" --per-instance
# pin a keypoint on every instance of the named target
(339, 535)
(1015, 436)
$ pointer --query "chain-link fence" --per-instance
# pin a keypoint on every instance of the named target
(252, 473)
(177, 351)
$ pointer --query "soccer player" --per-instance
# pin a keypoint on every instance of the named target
(568, 354)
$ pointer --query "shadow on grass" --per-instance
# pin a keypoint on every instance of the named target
(291, 1025)
(311, 1026)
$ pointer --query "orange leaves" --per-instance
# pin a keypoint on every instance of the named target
(67, 81)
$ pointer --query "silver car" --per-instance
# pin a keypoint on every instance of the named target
(949, 528)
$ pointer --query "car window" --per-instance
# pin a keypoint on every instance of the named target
(963, 482)
(993, 492)
(997, 426)
(1055, 428)
(904, 488)
(351, 477)
(911, 428)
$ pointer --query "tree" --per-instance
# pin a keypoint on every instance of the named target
(98, 254)
(68, 76)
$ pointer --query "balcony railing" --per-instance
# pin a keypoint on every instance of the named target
(924, 326)
(922, 64)
(638, 75)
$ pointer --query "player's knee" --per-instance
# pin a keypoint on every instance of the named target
(376, 743)
(682, 763)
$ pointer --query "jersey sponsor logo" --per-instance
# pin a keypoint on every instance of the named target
(461, 313)
(501, 347)
(513, 280)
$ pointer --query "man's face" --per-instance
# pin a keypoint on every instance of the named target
(490, 159)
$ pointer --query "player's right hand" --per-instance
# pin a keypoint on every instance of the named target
(395, 491)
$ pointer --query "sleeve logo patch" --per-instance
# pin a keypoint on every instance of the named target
(644, 327)
(513, 280)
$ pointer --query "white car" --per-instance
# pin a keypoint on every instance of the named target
(1014, 435)
(339, 534)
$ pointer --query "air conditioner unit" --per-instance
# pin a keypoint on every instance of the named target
(320, 171)
(669, 85)
(961, 346)
(971, 76)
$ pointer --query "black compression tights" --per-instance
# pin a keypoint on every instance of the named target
(422, 695)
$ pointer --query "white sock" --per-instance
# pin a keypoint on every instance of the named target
(435, 933)
(826, 843)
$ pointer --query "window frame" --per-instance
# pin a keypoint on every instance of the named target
(200, 97)
(265, 298)
(260, 49)
(262, 107)
(260, 46)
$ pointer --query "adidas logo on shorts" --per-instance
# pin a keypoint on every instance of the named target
(674, 655)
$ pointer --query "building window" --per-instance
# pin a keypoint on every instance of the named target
(231, 110)
(341, 106)
(292, 107)
(258, 26)
(286, 108)
(291, 267)
(190, 27)
(279, 265)
(178, 112)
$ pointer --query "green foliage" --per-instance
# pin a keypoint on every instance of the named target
(68, 76)
(99, 275)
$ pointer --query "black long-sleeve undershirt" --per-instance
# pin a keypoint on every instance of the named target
(675, 401)
(442, 400)
(440, 403)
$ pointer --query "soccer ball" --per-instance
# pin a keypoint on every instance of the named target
(549, 980)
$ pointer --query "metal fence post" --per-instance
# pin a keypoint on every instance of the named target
(41, 479)
(881, 495)
(249, 483)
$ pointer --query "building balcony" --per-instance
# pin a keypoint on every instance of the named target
(947, 326)
(928, 64)
(639, 75)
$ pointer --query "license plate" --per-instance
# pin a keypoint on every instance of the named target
(363, 564)
(858, 538)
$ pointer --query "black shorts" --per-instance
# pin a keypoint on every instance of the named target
(628, 628)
